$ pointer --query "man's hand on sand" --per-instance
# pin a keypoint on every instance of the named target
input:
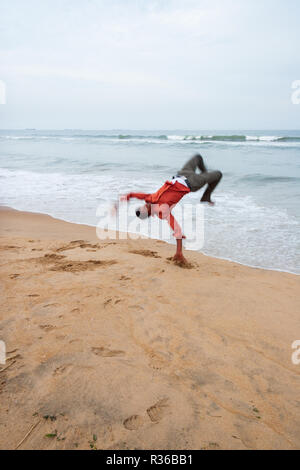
(180, 259)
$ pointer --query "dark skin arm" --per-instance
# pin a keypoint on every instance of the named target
(179, 258)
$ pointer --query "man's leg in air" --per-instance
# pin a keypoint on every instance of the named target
(193, 164)
(198, 180)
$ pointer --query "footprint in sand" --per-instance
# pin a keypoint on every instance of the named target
(77, 266)
(133, 423)
(49, 257)
(9, 247)
(71, 266)
(14, 358)
(105, 352)
(14, 276)
(158, 411)
(147, 253)
(62, 369)
(79, 244)
(70, 246)
(51, 305)
(212, 446)
(109, 301)
(157, 362)
(47, 327)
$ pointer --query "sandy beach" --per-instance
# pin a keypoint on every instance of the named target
(111, 346)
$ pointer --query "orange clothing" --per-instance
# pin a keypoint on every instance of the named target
(163, 201)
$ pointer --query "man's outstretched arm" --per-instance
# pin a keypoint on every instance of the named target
(175, 227)
(128, 196)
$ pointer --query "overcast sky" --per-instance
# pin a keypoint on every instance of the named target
(166, 64)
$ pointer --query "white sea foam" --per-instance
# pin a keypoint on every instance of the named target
(212, 140)
(176, 137)
(264, 138)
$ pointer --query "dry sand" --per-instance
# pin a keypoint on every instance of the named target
(109, 339)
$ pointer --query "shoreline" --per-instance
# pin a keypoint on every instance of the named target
(143, 237)
(108, 338)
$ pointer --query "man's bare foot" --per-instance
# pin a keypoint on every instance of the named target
(210, 203)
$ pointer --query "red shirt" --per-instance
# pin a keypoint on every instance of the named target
(163, 201)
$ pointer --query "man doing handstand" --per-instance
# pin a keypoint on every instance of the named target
(165, 199)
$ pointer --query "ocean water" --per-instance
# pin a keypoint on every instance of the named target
(70, 174)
